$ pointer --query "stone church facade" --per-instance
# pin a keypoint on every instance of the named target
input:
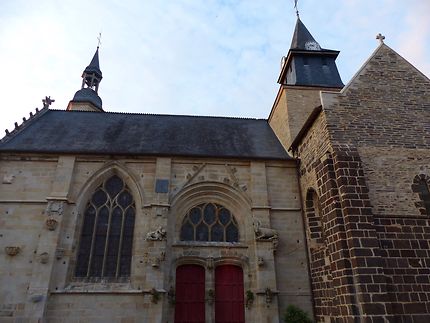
(117, 217)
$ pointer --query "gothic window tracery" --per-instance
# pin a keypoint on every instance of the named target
(209, 222)
(107, 232)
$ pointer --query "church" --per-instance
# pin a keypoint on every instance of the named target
(325, 205)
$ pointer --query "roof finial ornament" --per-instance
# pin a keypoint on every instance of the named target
(380, 37)
(99, 39)
(297, 9)
(47, 101)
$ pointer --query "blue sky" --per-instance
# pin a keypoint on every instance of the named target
(212, 57)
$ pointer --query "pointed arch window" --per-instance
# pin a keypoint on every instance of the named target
(209, 222)
(421, 186)
(107, 232)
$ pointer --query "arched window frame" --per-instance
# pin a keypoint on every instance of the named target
(122, 266)
(314, 217)
(421, 186)
(204, 223)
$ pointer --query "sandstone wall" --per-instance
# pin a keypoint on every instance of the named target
(37, 187)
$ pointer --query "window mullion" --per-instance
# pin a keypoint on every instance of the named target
(111, 207)
(118, 258)
(93, 238)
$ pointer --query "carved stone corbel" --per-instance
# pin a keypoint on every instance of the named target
(157, 235)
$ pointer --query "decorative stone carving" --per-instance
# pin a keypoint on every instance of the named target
(260, 261)
(211, 296)
(210, 263)
(55, 208)
(269, 295)
(51, 223)
(155, 262)
(262, 233)
(8, 179)
(12, 250)
(44, 258)
(59, 253)
(265, 234)
(157, 235)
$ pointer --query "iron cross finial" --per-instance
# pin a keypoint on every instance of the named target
(380, 37)
(99, 38)
(297, 9)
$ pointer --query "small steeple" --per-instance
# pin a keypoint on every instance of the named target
(92, 74)
(307, 64)
(302, 38)
(87, 97)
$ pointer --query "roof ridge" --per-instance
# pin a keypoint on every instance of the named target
(161, 115)
(25, 123)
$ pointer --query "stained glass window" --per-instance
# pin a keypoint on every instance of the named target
(209, 222)
(107, 232)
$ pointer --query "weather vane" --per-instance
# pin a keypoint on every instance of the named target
(99, 38)
(297, 9)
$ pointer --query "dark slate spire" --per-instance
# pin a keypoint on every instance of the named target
(307, 64)
(302, 38)
(91, 78)
(94, 66)
(92, 74)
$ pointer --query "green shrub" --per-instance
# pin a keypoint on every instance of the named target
(293, 314)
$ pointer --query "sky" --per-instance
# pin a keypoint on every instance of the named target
(193, 57)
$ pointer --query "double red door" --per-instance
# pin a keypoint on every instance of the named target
(190, 294)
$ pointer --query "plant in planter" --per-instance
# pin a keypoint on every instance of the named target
(249, 299)
(171, 296)
(293, 314)
(155, 296)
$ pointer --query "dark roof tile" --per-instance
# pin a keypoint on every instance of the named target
(144, 134)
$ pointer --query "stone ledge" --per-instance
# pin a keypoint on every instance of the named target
(106, 292)
(192, 244)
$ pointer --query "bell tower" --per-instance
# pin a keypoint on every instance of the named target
(87, 98)
(305, 71)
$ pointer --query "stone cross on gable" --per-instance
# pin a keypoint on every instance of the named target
(47, 101)
(380, 37)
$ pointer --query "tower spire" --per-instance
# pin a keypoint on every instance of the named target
(307, 64)
(87, 97)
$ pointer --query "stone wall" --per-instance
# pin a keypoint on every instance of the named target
(361, 156)
(36, 188)
(291, 109)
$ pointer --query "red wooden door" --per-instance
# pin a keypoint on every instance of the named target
(190, 294)
(229, 299)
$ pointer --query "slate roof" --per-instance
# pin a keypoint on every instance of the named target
(88, 95)
(301, 36)
(83, 132)
(94, 66)
(309, 67)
